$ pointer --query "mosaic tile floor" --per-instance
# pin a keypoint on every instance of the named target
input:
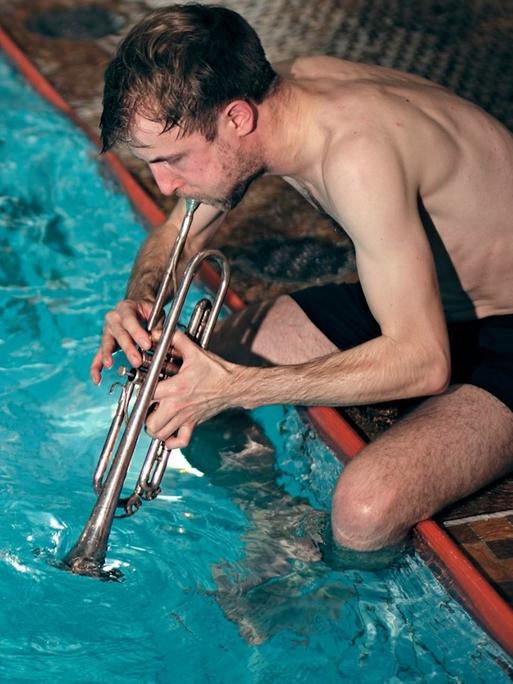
(465, 45)
(489, 541)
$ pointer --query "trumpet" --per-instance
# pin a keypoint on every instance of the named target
(87, 556)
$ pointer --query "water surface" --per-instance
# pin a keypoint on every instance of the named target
(223, 577)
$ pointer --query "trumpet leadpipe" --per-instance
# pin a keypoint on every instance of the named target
(87, 556)
(170, 272)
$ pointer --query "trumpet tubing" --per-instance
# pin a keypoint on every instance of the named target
(87, 556)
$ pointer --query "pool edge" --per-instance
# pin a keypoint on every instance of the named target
(474, 591)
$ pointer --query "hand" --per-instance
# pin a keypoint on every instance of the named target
(123, 329)
(203, 387)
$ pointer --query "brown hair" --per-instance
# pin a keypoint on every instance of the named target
(180, 65)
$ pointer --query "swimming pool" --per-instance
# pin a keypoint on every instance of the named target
(220, 581)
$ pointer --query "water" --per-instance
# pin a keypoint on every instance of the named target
(222, 576)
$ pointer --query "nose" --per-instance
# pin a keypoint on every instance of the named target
(166, 180)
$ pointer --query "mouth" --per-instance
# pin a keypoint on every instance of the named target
(217, 202)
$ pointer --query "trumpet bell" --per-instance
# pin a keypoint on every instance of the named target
(87, 557)
(89, 567)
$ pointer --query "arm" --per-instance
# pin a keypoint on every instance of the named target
(375, 198)
(376, 201)
(154, 254)
(124, 325)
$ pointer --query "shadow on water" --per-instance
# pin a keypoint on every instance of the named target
(27, 229)
(285, 578)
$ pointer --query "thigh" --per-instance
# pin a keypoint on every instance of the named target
(340, 311)
(449, 447)
(297, 328)
(275, 332)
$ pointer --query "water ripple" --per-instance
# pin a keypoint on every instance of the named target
(225, 576)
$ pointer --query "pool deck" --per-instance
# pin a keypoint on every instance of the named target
(481, 524)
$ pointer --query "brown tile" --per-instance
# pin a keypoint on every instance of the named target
(507, 564)
(493, 528)
(493, 568)
(463, 533)
(501, 548)
(506, 589)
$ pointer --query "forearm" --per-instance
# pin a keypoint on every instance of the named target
(151, 263)
(153, 258)
(379, 370)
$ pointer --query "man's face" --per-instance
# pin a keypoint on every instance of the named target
(216, 173)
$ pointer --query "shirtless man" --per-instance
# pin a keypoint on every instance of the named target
(421, 181)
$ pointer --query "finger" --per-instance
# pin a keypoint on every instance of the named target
(164, 389)
(107, 348)
(117, 336)
(156, 334)
(180, 439)
(96, 367)
(157, 420)
(123, 325)
(146, 309)
(182, 345)
(133, 327)
(162, 424)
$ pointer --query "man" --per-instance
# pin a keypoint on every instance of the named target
(421, 181)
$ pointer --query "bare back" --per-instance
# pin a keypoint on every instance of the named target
(459, 157)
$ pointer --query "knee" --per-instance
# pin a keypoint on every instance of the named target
(368, 509)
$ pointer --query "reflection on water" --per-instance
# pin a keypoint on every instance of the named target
(282, 579)
(281, 548)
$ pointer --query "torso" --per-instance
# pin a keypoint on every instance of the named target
(461, 157)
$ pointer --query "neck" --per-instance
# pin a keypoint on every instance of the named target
(285, 131)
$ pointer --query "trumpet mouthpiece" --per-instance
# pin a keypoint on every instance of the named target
(191, 205)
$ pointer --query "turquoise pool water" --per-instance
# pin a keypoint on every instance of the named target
(221, 582)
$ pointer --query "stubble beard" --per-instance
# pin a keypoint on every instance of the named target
(238, 191)
(248, 171)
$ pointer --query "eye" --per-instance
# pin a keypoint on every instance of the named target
(174, 159)
(167, 161)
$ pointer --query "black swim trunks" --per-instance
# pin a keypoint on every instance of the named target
(481, 350)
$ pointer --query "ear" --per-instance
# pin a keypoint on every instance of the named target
(239, 117)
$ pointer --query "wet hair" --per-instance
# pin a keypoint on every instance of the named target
(179, 66)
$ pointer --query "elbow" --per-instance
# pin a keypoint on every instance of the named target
(438, 375)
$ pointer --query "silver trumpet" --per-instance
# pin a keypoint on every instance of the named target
(87, 556)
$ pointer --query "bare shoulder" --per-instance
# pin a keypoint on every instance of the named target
(319, 68)
(362, 156)
(311, 67)
(325, 67)
(364, 166)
